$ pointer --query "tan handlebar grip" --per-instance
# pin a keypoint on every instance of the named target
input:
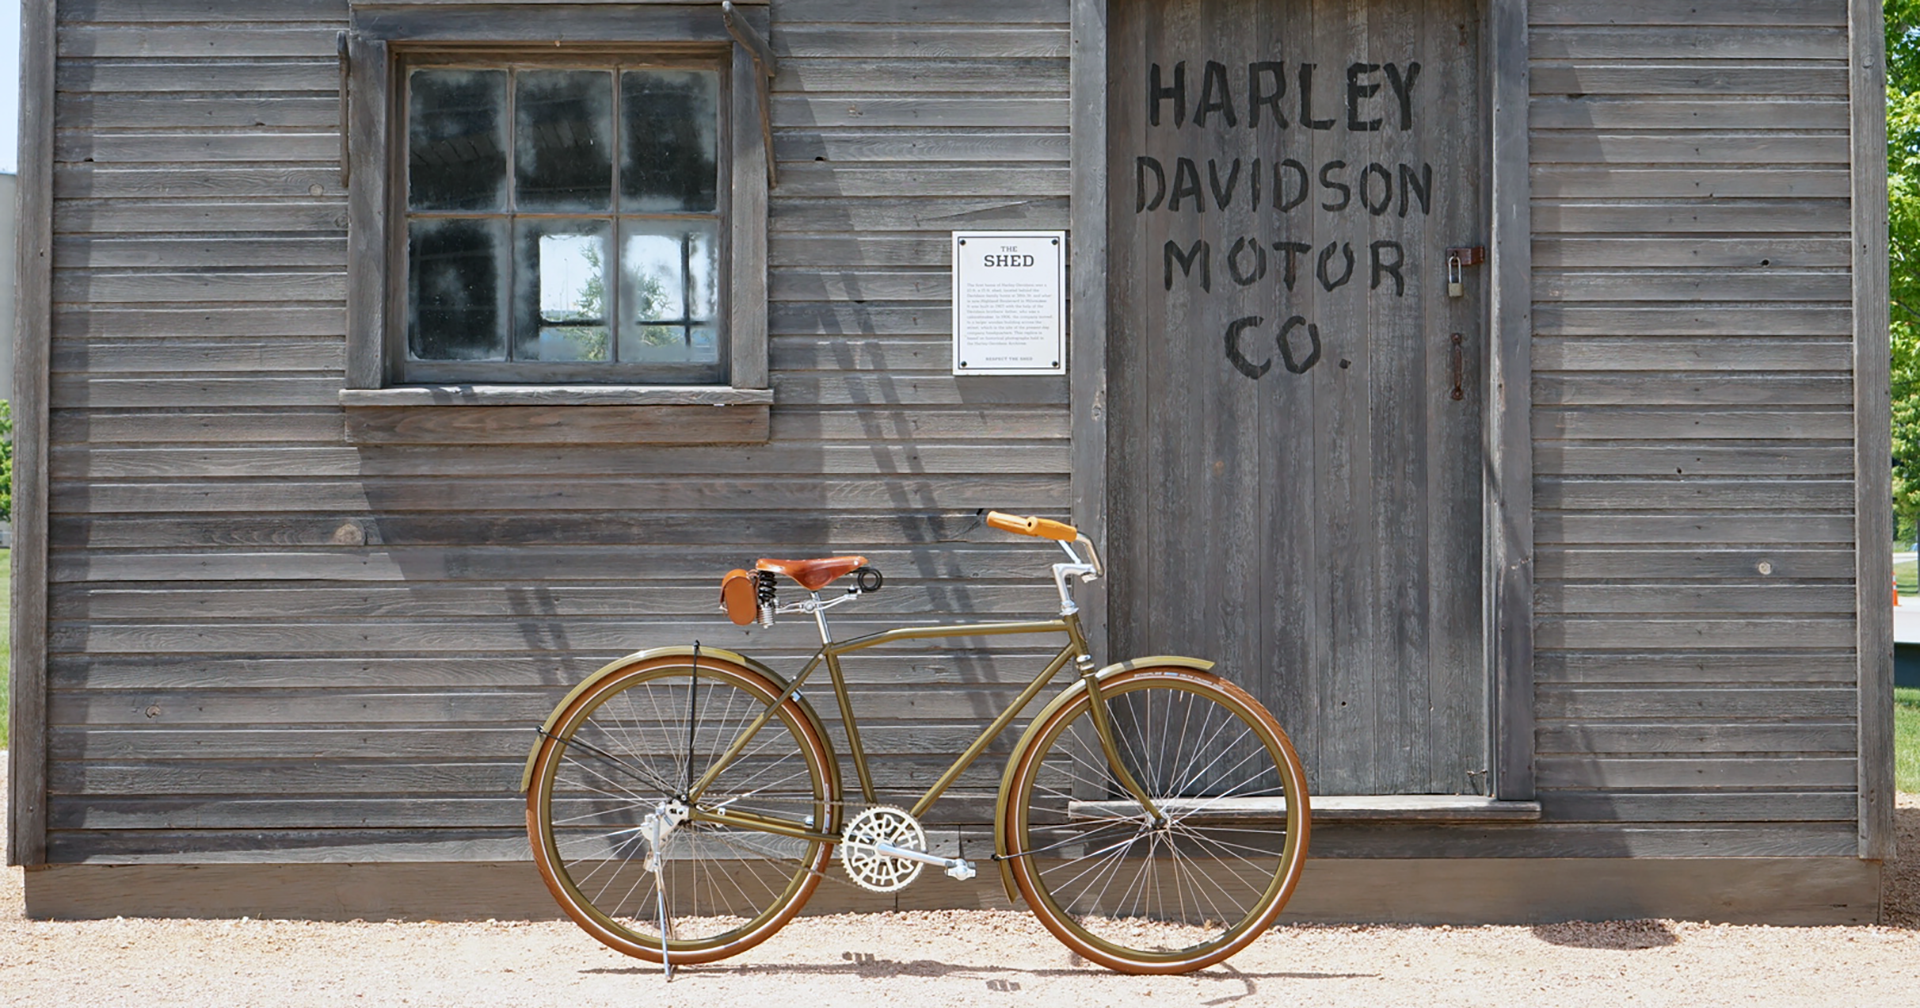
(1045, 528)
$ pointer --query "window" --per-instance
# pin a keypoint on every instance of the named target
(563, 221)
(581, 221)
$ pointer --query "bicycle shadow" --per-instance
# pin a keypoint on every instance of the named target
(867, 966)
(1624, 935)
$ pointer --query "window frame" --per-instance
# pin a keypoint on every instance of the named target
(384, 42)
(406, 370)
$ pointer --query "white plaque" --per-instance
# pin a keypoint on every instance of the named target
(1010, 302)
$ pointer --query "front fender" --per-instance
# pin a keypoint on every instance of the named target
(686, 650)
(1066, 696)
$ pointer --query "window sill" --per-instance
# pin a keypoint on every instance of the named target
(556, 414)
(556, 395)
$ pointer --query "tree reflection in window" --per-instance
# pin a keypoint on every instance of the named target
(565, 263)
(672, 275)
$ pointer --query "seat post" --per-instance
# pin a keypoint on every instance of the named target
(820, 617)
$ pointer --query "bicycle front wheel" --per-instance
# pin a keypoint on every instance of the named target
(624, 848)
(1171, 893)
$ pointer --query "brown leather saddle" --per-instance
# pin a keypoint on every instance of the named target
(813, 575)
(747, 597)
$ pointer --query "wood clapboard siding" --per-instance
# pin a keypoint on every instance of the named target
(1693, 416)
(273, 641)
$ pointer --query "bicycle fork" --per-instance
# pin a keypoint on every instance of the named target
(1102, 723)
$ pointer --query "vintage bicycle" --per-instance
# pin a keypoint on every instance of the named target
(684, 802)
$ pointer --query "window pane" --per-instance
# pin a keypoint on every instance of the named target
(670, 124)
(456, 272)
(563, 131)
(670, 291)
(561, 300)
(456, 142)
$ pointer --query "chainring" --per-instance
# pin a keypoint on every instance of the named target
(870, 869)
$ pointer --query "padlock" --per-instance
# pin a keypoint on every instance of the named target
(1454, 287)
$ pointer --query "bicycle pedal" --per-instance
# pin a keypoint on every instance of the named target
(961, 869)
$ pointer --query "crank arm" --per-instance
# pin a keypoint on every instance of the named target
(959, 868)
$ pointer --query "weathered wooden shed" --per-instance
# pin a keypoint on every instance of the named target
(1497, 386)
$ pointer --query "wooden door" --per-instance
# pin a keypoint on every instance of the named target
(1296, 399)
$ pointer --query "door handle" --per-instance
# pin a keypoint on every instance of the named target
(1459, 369)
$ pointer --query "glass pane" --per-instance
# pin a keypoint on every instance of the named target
(563, 131)
(561, 296)
(670, 291)
(670, 123)
(456, 276)
(456, 139)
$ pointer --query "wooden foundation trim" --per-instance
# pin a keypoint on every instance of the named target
(1782, 891)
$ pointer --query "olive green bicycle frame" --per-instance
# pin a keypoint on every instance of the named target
(1075, 651)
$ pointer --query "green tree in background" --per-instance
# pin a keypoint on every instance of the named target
(6, 461)
(1903, 253)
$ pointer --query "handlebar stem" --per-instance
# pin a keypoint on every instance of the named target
(1063, 571)
(1088, 569)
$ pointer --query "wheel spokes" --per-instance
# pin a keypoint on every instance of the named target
(1136, 890)
(625, 757)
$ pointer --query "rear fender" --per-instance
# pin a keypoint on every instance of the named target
(619, 665)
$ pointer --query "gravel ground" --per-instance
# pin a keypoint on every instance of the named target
(960, 958)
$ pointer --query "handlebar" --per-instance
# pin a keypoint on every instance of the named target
(1045, 528)
(1085, 568)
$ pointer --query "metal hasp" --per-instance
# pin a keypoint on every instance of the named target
(1460, 256)
(768, 64)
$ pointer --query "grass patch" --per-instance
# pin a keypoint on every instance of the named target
(1906, 739)
(1906, 574)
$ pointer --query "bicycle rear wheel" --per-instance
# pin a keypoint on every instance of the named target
(1142, 895)
(614, 773)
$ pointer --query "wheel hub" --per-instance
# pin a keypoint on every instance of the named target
(657, 826)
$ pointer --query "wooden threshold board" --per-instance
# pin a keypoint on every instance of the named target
(1335, 808)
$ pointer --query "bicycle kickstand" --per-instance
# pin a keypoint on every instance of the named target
(660, 899)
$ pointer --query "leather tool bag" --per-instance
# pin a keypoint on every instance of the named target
(740, 596)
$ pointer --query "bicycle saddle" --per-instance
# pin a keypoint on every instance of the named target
(813, 575)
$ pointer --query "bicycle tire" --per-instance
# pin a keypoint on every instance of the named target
(633, 742)
(1205, 881)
